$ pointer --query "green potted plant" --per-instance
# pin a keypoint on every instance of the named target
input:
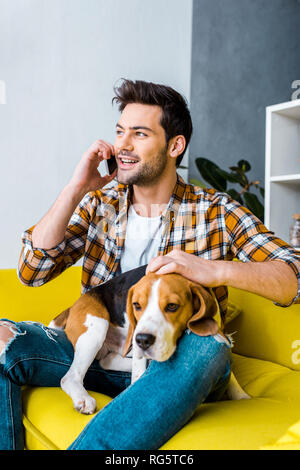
(218, 179)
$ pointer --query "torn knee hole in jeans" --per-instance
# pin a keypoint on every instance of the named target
(6, 337)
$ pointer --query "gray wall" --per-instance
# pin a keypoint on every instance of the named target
(245, 56)
(59, 60)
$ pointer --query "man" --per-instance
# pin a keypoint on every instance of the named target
(189, 231)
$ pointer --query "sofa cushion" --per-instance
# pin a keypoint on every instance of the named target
(50, 420)
(245, 424)
(52, 423)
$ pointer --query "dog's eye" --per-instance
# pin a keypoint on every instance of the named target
(172, 307)
(136, 305)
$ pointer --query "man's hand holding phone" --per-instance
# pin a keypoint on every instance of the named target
(86, 176)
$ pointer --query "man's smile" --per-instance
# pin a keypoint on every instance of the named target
(126, 162)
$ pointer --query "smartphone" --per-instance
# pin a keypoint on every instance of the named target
(111, 164)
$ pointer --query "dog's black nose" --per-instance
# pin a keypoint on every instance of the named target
(144, 340)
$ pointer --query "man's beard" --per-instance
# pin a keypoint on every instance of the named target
(149, 172)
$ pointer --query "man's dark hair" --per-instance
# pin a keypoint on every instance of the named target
(176, 118)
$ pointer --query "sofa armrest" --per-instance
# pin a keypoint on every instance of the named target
(264, 330)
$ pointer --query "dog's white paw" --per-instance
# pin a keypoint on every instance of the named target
(82, 401)
(86, 405)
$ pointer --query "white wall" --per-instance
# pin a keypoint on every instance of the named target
(59, 60)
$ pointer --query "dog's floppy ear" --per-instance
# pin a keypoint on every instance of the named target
(132, 322)
(205, 308)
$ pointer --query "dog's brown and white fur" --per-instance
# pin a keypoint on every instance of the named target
(159, 309)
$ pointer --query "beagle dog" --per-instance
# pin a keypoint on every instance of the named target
(131, 319)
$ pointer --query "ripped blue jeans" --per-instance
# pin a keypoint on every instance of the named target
(142, 416)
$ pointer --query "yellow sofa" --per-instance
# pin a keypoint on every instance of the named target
(266, 361)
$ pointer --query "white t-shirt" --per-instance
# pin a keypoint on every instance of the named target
(142, 240)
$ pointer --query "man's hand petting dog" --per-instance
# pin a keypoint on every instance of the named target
(209, 273)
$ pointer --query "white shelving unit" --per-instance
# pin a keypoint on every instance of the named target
(282, 175)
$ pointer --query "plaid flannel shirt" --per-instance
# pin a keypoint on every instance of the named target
(206, 223)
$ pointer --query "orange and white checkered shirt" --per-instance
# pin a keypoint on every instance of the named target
(203, 222)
